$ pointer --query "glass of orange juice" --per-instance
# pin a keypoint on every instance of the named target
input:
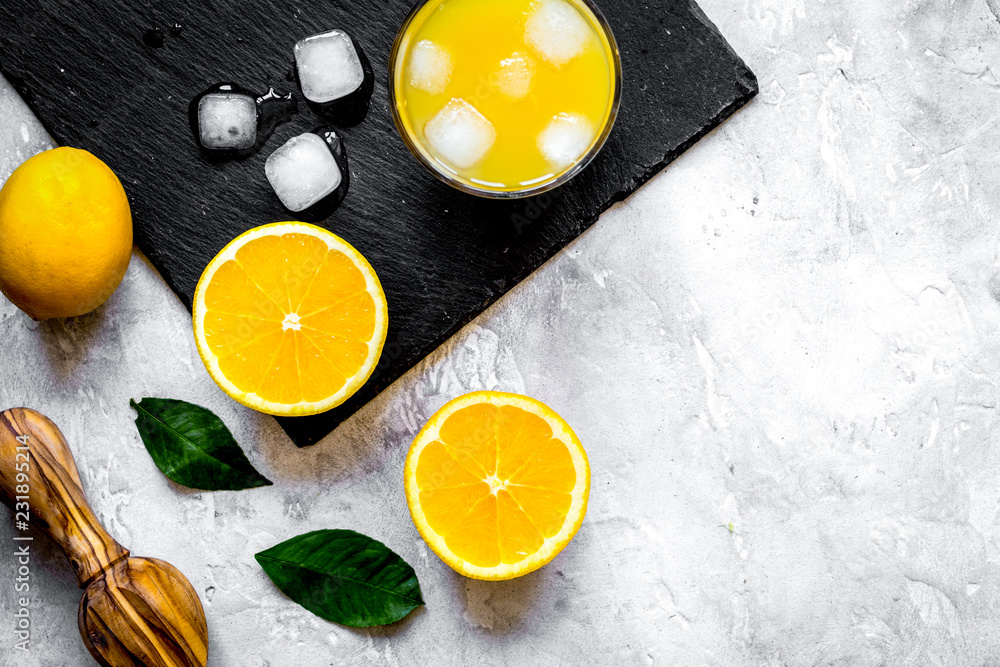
(504, 98)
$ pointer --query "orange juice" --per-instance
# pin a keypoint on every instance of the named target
(504, 97)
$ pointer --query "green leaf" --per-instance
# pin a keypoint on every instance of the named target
(193, 447)
(343, 576)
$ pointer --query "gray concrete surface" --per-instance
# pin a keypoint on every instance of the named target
(781, 355)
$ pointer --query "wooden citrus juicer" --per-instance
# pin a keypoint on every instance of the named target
(135, 612)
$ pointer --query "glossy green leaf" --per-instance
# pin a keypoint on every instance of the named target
(193, 447)
(343, 576)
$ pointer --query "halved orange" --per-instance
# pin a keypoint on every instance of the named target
(497, 484)
(289, 319)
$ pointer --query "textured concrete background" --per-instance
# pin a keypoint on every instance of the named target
(792, 331)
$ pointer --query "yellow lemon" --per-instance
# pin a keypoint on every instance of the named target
(65, 234)
(497, 484)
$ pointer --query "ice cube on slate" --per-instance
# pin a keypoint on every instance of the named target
(227, 121)
(513, 76)
(565, 139)
(328, 66)
(460, 134)
(556, 30)
(302, 172)
(430, 67)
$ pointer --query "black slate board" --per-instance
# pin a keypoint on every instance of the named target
(442, 256)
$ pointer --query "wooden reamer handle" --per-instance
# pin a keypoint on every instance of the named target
(39, 477)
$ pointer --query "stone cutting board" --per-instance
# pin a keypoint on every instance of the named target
(442, 257)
